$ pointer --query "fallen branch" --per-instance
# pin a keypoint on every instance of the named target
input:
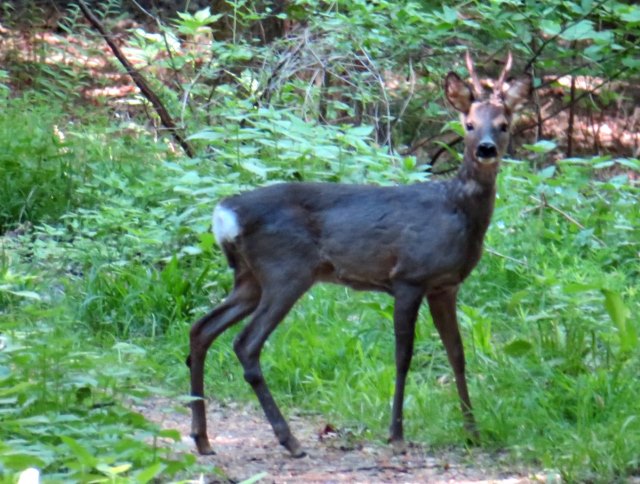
(140, 81)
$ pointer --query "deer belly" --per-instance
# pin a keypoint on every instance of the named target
(358, 268)
(434, 266)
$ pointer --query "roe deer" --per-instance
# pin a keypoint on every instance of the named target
(411, 242)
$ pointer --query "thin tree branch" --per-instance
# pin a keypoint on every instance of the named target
(572, 112)
(444, 148)
(412, 86)
(494, 252)
(542, 202)
(577, 99)
(139, 80)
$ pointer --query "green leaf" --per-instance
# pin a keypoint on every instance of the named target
(631, 62)
(150, 473)
(550, 27)
(583, 30)
(26, 294)
(628, 13)
(170, 434)
(634, 164)
(518, 347)
(326, 151)
(255, 166)
(455, 126)
(360, 131)
(208, 135)
(79, 451)
(191, 250)
(576, 287)
(113, 470)
(619, 314)
(449, 14)
(207, 241)
(19, 461)
(18, 388)
(190, 178)
(542, 146)
(548, 171)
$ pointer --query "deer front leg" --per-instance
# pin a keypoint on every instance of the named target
(241, 302)
(405, 313)
(443, 311)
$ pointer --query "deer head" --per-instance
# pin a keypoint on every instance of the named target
(486, 116)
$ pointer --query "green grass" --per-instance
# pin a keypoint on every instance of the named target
(101, 299)
(98, 296)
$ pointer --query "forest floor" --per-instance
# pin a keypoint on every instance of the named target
(246, 447)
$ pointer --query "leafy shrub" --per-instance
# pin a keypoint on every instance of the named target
(121, 255)
(62, 412)
(36, 181)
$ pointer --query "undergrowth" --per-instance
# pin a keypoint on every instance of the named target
(101, 301)
(106, 258)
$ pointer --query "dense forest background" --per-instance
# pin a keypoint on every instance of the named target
(123, 122)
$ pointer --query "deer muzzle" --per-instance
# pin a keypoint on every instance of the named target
(486, 152)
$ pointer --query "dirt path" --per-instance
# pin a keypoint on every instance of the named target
(245, 446)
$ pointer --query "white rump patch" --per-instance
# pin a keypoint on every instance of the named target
(225, 224)
(29, 476)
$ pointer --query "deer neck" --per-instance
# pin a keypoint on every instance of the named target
(475, 193)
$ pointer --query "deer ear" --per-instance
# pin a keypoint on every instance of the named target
(517, 92)
(458, 92)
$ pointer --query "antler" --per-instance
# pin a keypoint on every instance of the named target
(497, 90)
(477, 87)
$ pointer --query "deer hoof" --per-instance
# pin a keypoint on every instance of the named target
(298, 454)
(473, 436)
(473, 439)
(294, 447)
(399, 447)
(202, 444)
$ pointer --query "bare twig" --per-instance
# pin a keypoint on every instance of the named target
(271, 84)
(172, 62)
(444, 149)
(412, 87)
(578, 98)
(543, 203)
(538, 109)
(419, 144)
(494, 252)
(139, 80)
(572, 113)
(374, 70)
(325, 85)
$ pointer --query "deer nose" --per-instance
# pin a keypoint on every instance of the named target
(486, 150)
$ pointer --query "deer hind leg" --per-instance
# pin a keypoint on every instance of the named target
(407, 304)
(275, 303)
(443, 310)
(241, 302)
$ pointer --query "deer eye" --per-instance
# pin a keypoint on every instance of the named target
(469, 126)
(504, 127)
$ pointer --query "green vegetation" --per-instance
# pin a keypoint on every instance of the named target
(106, 256)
